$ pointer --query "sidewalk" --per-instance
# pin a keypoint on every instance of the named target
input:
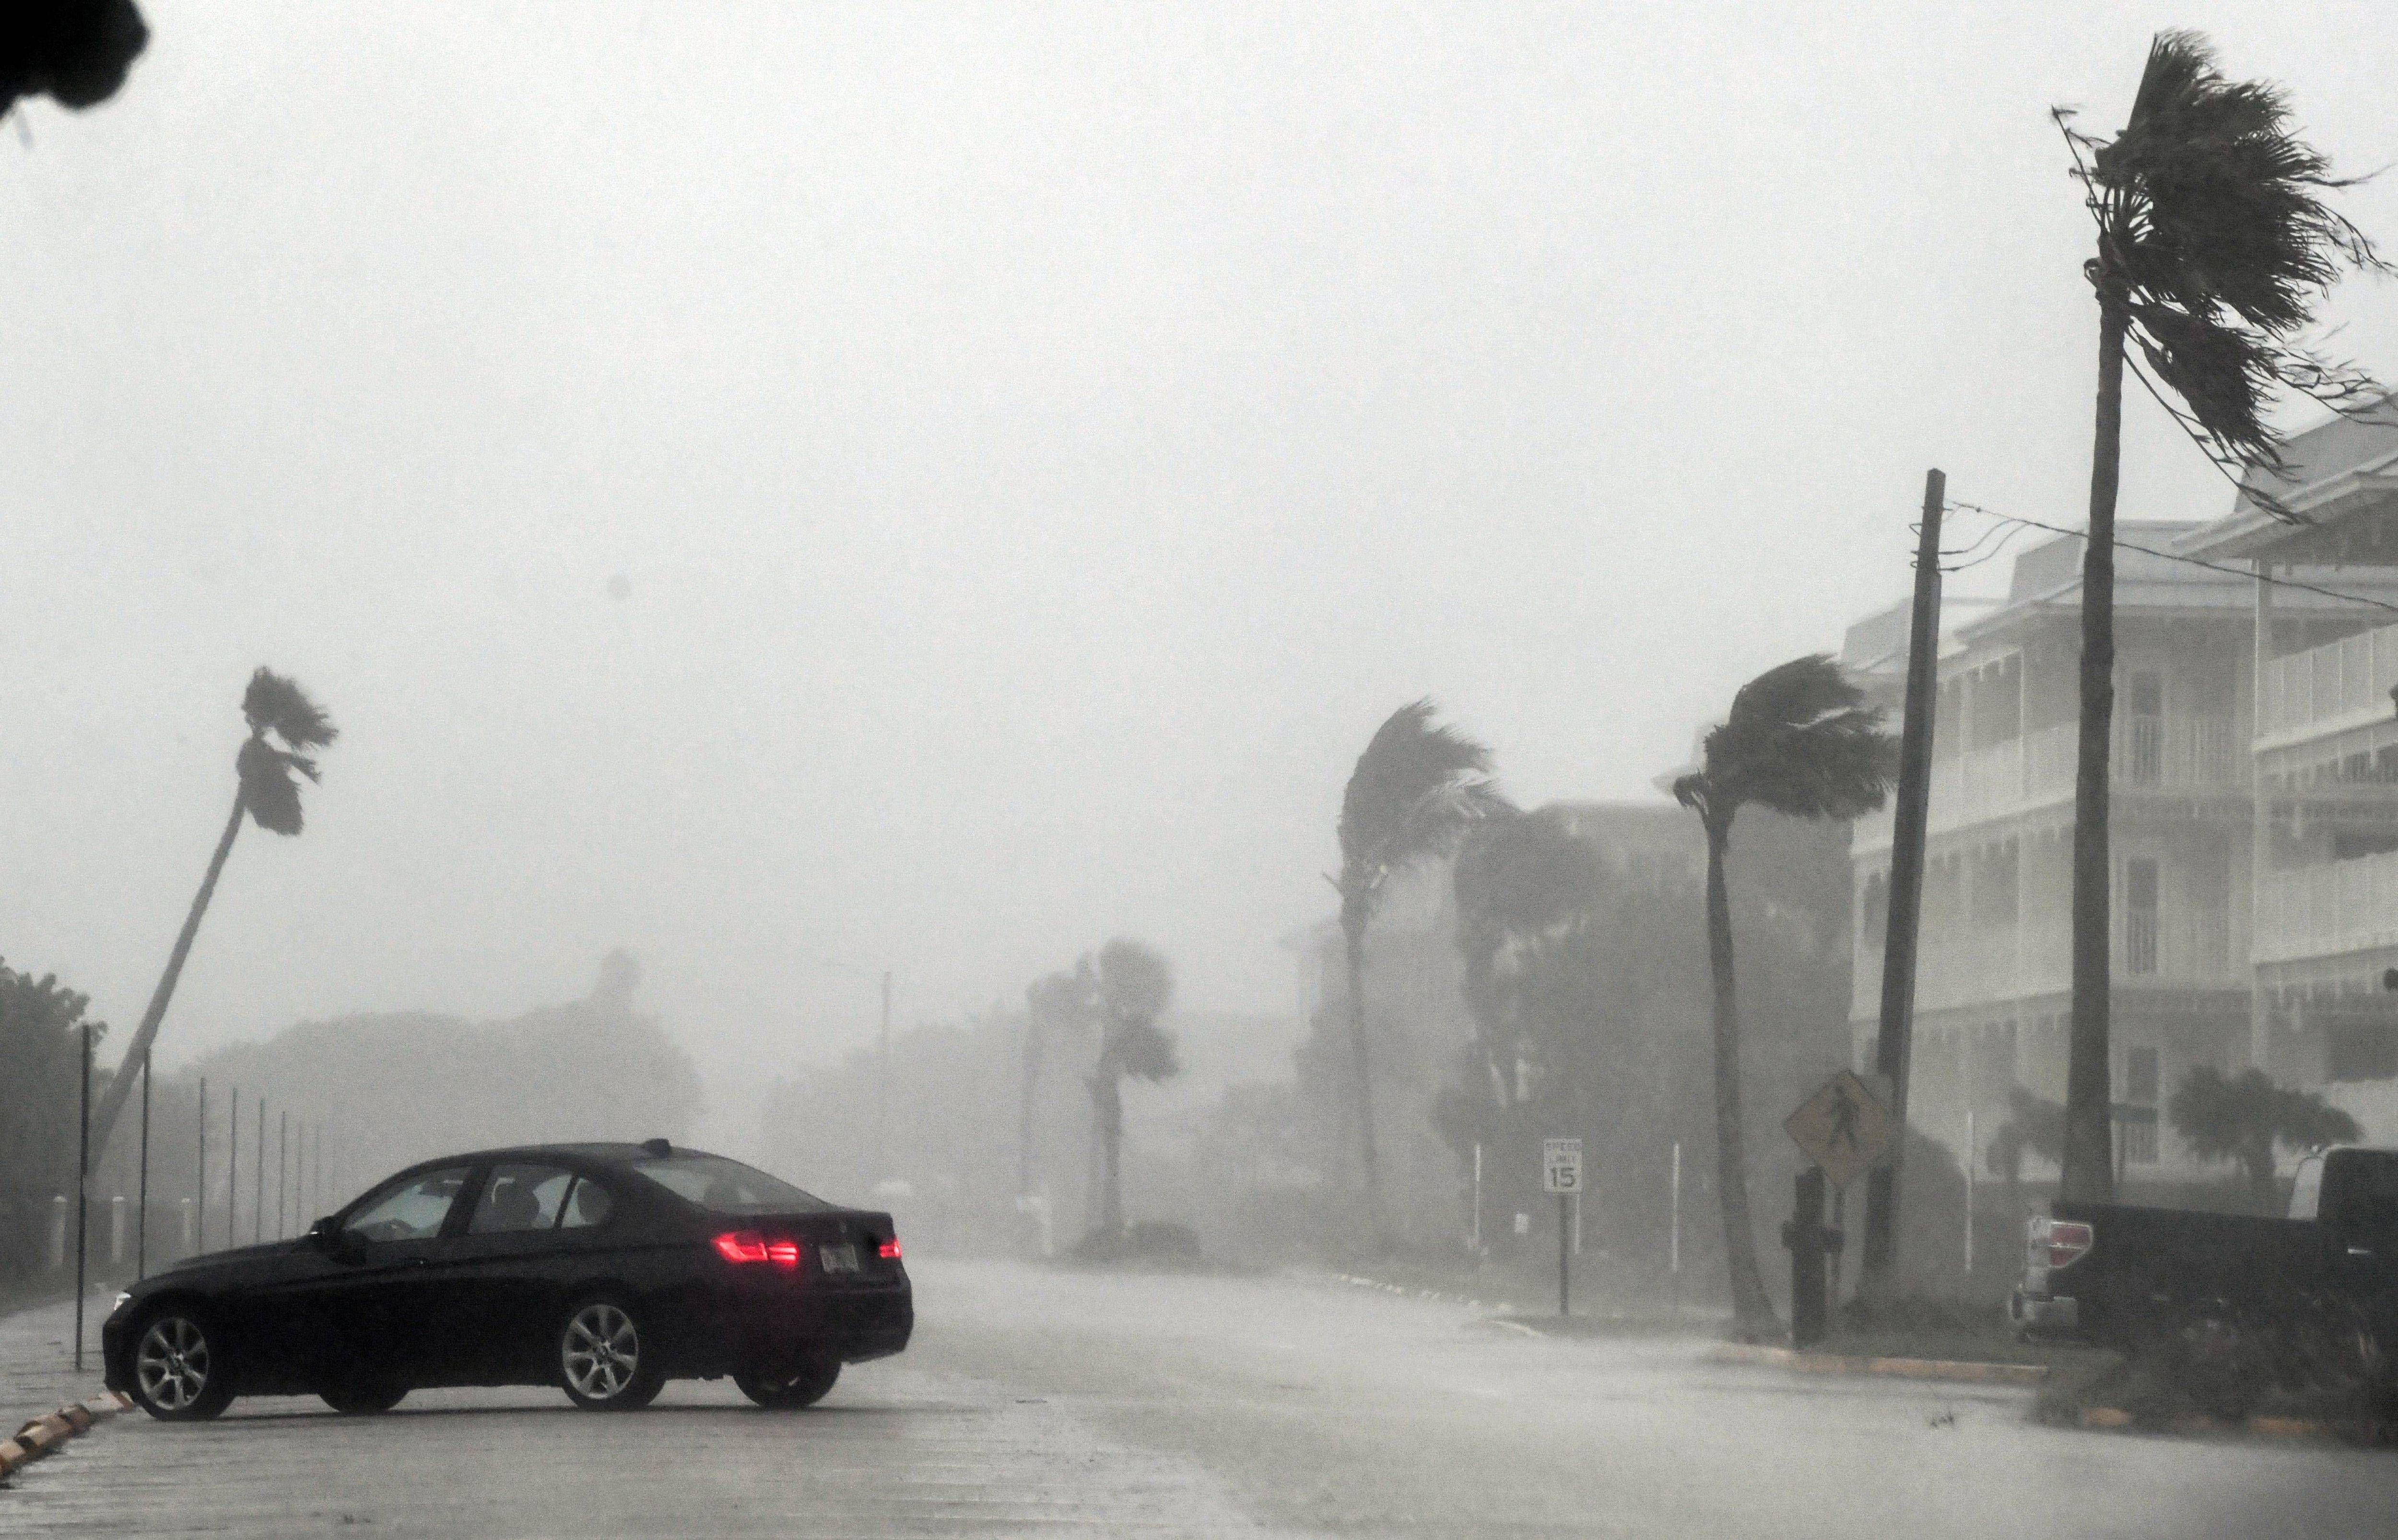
(37, 1357)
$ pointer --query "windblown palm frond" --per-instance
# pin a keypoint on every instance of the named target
(277, 705)
(1416, 787)
(1145, 1050)
(1801, 739)
(2215, 238)
(1135, 983)
(1060, 1000)
(278, 709)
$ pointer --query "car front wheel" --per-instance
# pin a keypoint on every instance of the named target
(607, 1361)
(181, 1371)
(786, 1392)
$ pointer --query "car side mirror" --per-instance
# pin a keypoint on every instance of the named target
(326, 1237)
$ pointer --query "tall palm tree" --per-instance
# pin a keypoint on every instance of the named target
(1135, 987)
(2213, 246)
(285, 729)
(1800, 741)
(1416, 787)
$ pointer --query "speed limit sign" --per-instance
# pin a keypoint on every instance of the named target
(1561, 1165)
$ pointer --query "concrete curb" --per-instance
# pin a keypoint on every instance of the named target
(2116, 1417)
(1902, 1369)
(45, 1434)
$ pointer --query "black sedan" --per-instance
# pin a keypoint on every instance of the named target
(604, 1269)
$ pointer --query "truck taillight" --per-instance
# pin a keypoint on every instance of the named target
(2066, 1242)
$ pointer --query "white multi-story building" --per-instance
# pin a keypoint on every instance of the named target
(2195, 979)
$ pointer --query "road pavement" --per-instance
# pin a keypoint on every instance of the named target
(1039, 1401)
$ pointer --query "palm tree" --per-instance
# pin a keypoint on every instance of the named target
(2214, 247)
(1416, 789)
(2241, 1118)
(285, 726)
(1800, 741)
(1135, 986)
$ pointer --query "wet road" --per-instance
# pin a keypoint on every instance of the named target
(1035, 1402)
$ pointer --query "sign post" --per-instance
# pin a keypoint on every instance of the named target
(1561, 1174)
(1843, 1128)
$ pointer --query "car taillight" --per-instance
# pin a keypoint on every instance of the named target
(889, 1251)
(783, 1253)
(2066, 1243)
(741, 1246)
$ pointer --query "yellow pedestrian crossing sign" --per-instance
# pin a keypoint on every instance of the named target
(1844, 1127)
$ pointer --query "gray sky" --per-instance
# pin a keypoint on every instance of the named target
(1041, 443)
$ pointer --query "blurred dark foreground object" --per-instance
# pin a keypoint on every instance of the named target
(76, 51)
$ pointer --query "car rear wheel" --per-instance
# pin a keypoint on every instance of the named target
(790, 1391)
(181, 1371)
(607, 1361)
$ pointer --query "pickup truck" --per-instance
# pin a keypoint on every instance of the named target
(2232, 1301)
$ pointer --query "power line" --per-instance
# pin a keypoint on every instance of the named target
(2188, 561)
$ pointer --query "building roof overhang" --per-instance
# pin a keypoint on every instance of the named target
(2328, 511)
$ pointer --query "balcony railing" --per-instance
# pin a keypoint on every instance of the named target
(2189, 753)
(2179, 947)
(2316, 911)
(2321, 687)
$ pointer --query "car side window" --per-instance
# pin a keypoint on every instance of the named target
(519, 1197)
(589, 1204)
(410, 1209)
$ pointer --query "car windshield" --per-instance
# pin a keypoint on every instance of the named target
(724, 1186)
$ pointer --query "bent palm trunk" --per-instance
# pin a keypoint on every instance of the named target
(1107, 1099)
(1369, 1167)
(121, 1087)
(2089, 1175)
(1752, 1310)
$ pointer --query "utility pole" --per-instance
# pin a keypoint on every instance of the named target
(258, 1197)
(232, 1172)
(282, 1166)
(883, 1088)
(83, 1189)
(1894, 1044)
(200, 1174)
(142, 1214)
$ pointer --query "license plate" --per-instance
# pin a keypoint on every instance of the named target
(839, 1259)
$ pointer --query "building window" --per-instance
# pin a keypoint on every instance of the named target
(2140, 916)
(2146, 760)
(2140, 1090)
(1994, 884)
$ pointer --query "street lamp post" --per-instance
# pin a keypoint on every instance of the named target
(883, 1067)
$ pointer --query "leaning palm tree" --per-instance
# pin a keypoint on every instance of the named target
(285, 727)
(2214, 245)
(1416, 789)
(1800, 741)
(1135, 986)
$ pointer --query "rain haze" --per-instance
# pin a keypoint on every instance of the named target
(794, 495)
